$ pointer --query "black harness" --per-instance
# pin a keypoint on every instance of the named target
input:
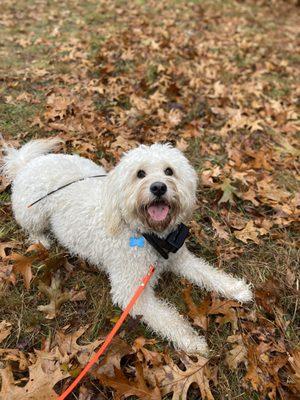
(171, 244)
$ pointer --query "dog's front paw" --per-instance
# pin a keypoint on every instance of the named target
(242, 292)
(195, 345)
(42, 239)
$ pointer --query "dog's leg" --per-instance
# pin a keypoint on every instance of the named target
(40, 237)
(204, 275)
(162, 318)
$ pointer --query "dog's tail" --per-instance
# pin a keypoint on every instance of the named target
(14, 160)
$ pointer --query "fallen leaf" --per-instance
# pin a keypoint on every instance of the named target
(235, 220)
(67, 344)
(57, 297)
(237, 354)
(227, 311)
(85, 393)
(54, 360)
(149, 356)
(27, 97)
(4, 183)
(7, 274)
(287, 147)
(14, 355)
(182, 145)
(249, 195)
(294, 360)
(228, 192)
(198, 313)
(221, 232)
(43, 375)
(5, 329)
(112, 358)
(125, 388)
(254, 374)
(23, 263)
(270, 193)
(260, 161)
(4, 246)
(174, 380)
(206, 178)
(250, 232)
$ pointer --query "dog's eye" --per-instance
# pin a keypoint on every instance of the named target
(169, 171)
(141, 174)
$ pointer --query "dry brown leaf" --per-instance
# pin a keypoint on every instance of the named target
(268, 294)
(294, 361)
(238, 352)
(57, 297)
(198, 313)
(4, 183)
(227, 309)
(57, 107)
(290, 277)
(207, 178)
(23, 263)
(228, 192)
(6, 274)
(249, 195)
(85, 393)
(43, 375)
(254, 373)
(5, 328)
(112, 358)
(7, 246)
(250, 232)
(221, 232)
(224, 309)
(235, 220)
(173, 379)
(270, 193)
(125, 388)
(149, 356)
(16, 356)
(182, 145)
(69, 348)
(260, 159)
(27, 97)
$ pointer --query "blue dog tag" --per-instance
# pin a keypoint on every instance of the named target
(136, 241)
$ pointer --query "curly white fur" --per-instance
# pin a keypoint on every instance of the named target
(96, 217)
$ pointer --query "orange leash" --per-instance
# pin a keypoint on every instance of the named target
(112, 333)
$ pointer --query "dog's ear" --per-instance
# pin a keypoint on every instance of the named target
(112, 214)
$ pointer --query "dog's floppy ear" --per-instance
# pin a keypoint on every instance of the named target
(112, 213)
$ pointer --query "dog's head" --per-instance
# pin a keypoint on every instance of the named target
(153, 188)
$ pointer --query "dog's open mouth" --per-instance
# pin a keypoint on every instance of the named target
(158, 210)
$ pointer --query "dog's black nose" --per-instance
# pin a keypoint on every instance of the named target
(158, 188)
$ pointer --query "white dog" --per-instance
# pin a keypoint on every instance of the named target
(101, 219)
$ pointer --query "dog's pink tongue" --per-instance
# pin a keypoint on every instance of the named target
(158, 212)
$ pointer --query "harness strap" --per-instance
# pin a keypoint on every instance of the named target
(64, 186)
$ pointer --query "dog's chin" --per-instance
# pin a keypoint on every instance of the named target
(158, 215)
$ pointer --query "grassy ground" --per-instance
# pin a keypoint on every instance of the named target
(91, 71)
